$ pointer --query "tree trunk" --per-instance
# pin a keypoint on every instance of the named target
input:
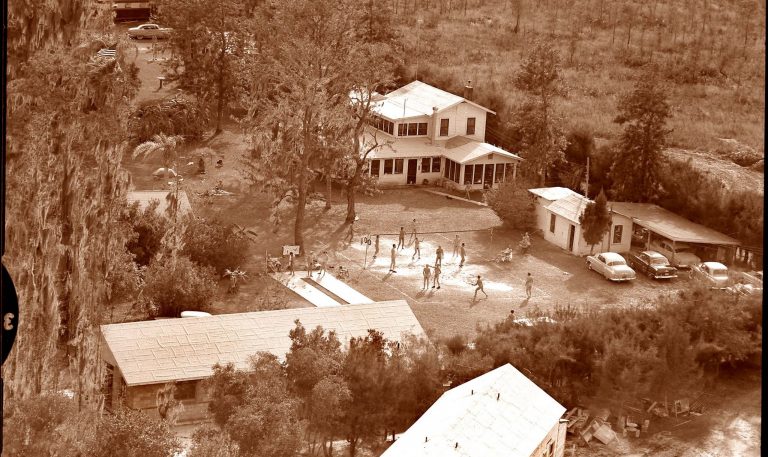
(328, 190)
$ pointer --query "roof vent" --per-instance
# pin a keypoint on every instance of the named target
(468, 90)
(456, 446)
(426, 438)
(472, 392)
(498, 395)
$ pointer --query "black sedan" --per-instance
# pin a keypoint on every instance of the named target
(652, 264)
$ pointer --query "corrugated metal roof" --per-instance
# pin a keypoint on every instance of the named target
(482, 425)
(569, 207)
(158, 351)
(144, 198)
(417, 99)
(552, 193)
(670, 225)
(462, 151)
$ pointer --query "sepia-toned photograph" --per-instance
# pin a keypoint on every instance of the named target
(402, 228)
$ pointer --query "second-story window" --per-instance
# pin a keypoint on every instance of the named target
(443, 127)
(383, 124)
(412, 129)
(470, 126)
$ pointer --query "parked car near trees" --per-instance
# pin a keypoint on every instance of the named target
(680, 255)
(611, 265)
(148, 31)
(653, 264)
(713, 274)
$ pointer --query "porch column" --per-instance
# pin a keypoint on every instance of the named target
(514, 170)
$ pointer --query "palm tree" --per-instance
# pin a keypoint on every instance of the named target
(166, 145)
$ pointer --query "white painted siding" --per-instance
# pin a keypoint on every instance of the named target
(457, 125)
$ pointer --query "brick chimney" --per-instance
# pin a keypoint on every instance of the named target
(468, 90)
(433, 128)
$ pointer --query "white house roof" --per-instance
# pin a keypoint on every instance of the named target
(417, 99)
(501, 413)
(552, 193)
(145, 197)
(670, 225)
(570, 207)
(159, 351)
(461, 152)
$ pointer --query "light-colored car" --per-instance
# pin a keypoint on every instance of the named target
(713, 274)
(679, 255)
(748, 283)
(149, 31)
(652, 264)
(611, 265)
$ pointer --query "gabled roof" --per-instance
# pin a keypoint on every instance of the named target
(501, 413)
(570, 207)
(159, 351)
(417, 99)
(670, 225)
(145, 197)
(463, 150)
(552, 193)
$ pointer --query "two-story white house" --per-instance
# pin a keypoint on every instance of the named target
(431, 134)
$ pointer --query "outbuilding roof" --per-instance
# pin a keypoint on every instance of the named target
(160, 351)
(501, 413)
(417, 99)
(570, 207)
(145, 197)
(670, 225)
(552, 193)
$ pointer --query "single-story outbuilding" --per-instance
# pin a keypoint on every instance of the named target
(141, 357)
(145, 197)
(653, 223)
(501, 413)
(558, 210)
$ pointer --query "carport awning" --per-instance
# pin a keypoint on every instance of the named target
(670, 225)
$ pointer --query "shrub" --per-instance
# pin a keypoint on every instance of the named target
(215, 244)
(513, 203)
(149, 229)
(175, 116)
(170, 289)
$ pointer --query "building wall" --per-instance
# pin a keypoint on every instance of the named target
(144, 398)
(580, 246)
(457, 124)
(554, 437)
(402, 179)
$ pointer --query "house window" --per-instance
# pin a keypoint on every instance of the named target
(435, 164)
(443, 127)
(617, 229)
(422, 128)
(388, 166)
(499, 176)
(375, 167)
(185, 390)
(456, 172)
(402, 129)
(447, 169)
(468, 173)
(470, 126)
(552, 223)
(425, 164)
(478, 177)
(399, 166)
(412, 129)
(383, 124)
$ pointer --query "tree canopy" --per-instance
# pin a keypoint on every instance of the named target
(595, 220)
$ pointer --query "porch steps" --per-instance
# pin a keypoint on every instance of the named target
(305, 290)
(455, 197)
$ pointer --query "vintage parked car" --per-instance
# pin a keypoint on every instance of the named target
(652, 264)
(713, 274)
(748, 283)
(148, 31)
(611, 265)
(679, 255)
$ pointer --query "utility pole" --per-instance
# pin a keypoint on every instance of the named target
(586, 186)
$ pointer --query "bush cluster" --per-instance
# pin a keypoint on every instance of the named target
(174, 116)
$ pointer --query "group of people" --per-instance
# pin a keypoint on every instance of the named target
(319, 263)
(458, 248)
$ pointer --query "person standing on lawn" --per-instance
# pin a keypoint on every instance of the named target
(376, 247)
(436, 276)
(416, 249)
(479, 288)
(401, 239)
(528, 285)
(393, 255)
(456, 243)
(323, 263)
(439, 256)
(427, 273)
(290, 263)
(310, 263)
(463, 253)
(413, 231)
